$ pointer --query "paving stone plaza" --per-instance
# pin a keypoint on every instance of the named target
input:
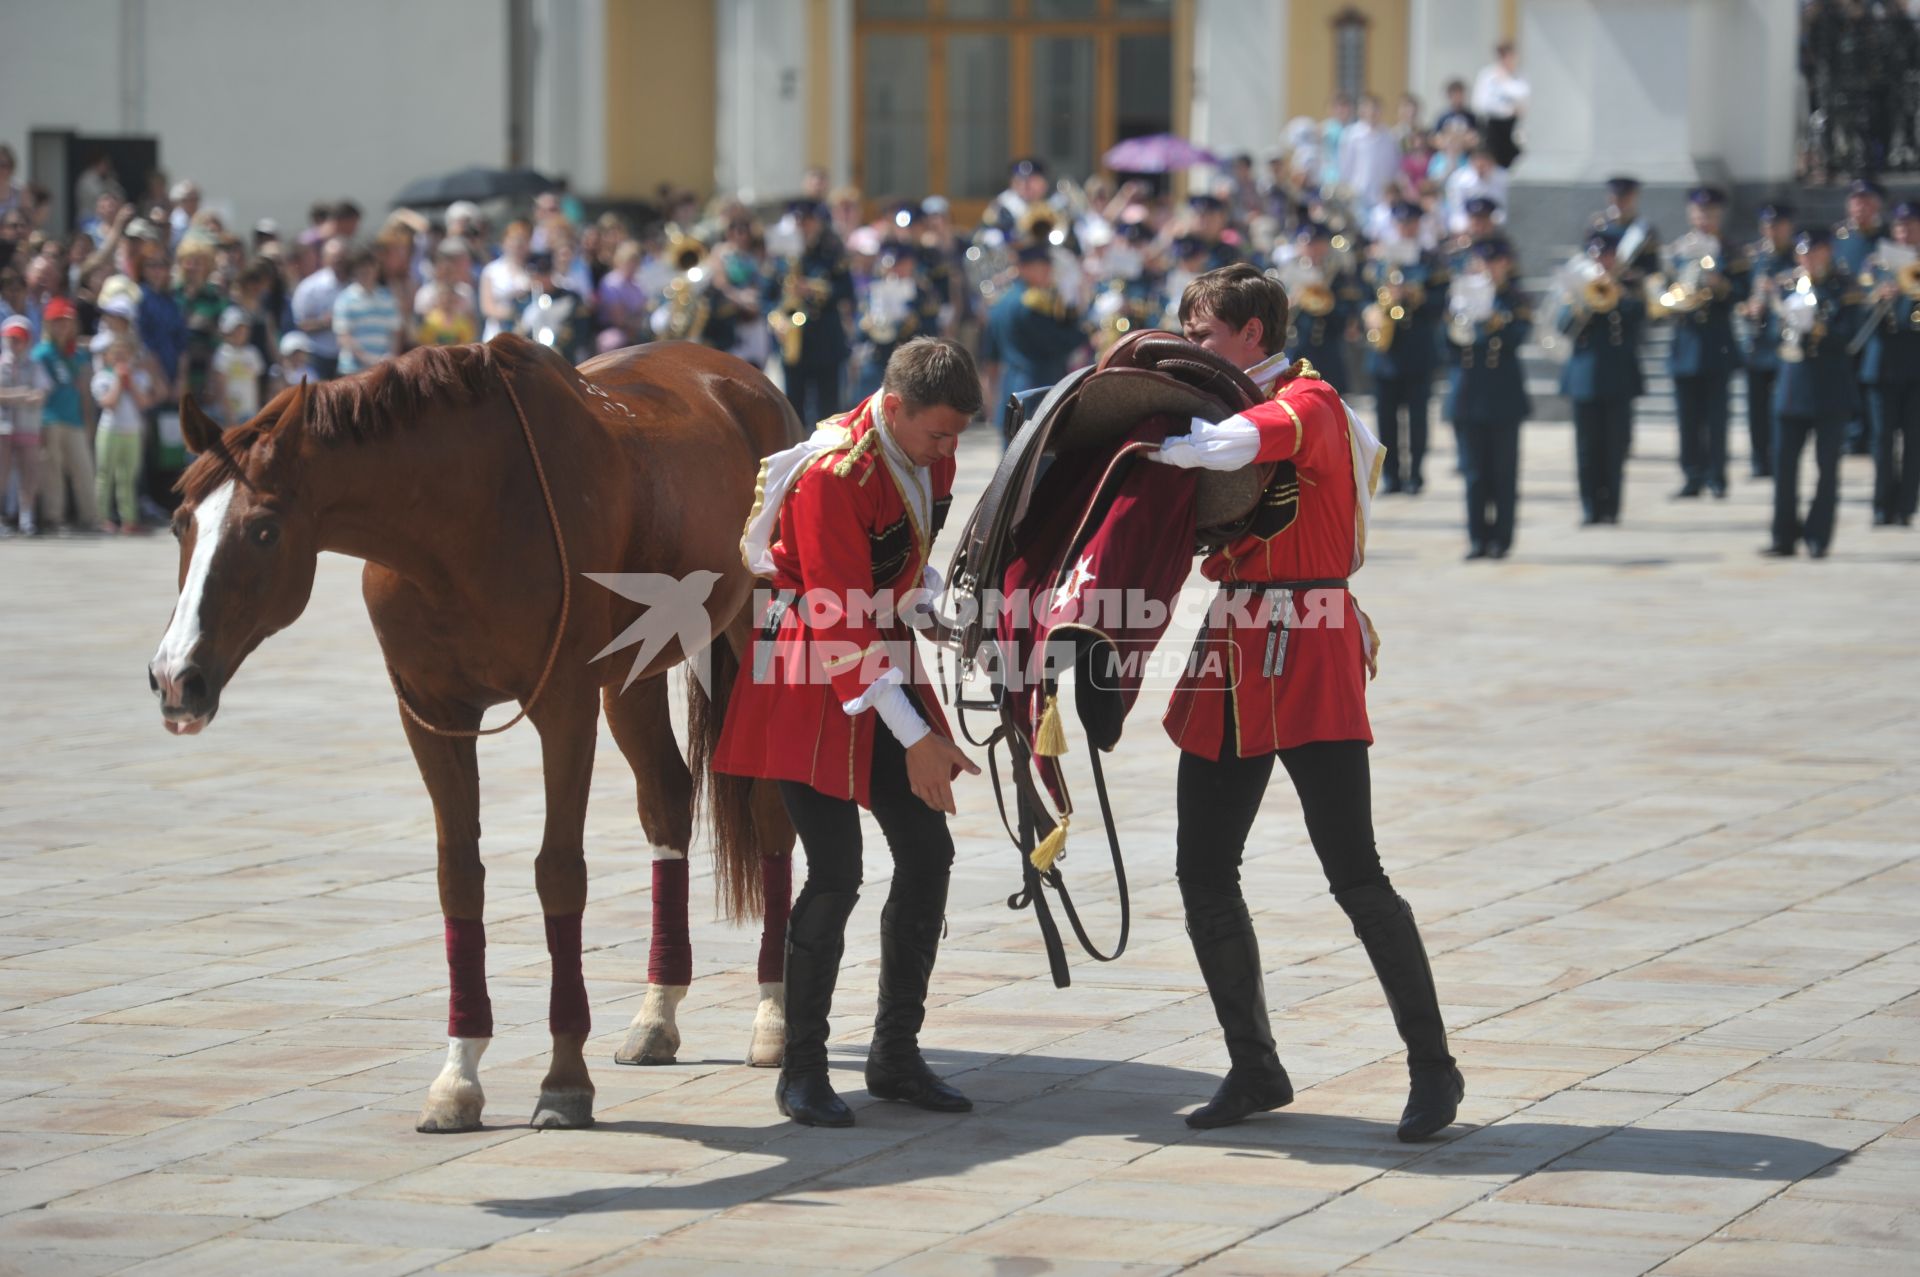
(1654, 799)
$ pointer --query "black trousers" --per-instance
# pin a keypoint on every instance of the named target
(1760, 418)
(1490, 452)
(1499, 135)
(1895, 408)
(1217, 802)
(1602, 430)
(814, 390)
(1701, 403)
(1391, 395)
(829, 830)
(1790, 435)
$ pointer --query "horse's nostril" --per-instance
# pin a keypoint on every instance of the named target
(193, 689)
(153, 681)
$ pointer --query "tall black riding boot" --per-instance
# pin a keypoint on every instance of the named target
(909, 940)
(816, 938)
(1229, 955)
(1384, 923)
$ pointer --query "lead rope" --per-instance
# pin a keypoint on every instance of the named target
(566, 597)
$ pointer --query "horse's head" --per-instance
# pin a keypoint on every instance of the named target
(248, 546)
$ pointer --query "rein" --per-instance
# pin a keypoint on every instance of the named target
(566, 597)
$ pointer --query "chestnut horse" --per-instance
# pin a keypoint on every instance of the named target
(469, 479)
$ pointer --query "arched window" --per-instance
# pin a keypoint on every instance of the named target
(1350, 52)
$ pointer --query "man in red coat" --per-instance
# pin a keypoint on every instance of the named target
(1282, 670)
(837, 709)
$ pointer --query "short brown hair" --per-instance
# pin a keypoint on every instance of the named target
(932, 370)
(1235, 294)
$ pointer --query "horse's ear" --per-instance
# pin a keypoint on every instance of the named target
(196, 428)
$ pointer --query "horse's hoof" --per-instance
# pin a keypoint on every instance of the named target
(563, 1111)
(455, 1100)
(654, 1038)
(769, 1028)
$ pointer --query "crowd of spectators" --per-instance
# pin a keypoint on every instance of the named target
(151, 296)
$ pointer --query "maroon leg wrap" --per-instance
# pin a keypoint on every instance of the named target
(776, 877)
(670, 956)
(469, 1010)
(567, 1003)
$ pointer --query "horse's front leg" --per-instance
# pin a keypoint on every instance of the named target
(567, 724)
(452, 776)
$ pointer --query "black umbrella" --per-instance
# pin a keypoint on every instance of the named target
(475, 184)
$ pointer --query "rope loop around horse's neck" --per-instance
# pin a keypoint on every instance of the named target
(566, 597)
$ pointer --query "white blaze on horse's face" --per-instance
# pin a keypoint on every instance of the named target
(185, 703)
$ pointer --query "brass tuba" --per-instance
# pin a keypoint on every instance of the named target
(688, 308)
(1384, 317)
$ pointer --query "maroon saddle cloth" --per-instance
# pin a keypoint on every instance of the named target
(1088, 542)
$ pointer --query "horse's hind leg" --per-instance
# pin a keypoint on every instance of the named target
(452, 776)
(775, 835)
(642, 726)
(567, 721)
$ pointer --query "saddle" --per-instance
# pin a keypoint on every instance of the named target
(1077, 447)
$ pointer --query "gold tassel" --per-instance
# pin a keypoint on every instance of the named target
(1050, 741)
(1050, 847)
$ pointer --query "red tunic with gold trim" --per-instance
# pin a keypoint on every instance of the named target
(1309, 527)
(846, 534)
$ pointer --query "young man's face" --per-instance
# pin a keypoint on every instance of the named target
(61, 330)
(1906, 231)
(1704, 218)
(1863, 210)
(926, 434)
(1240, 347)
(1779, 233)
(1817, 258)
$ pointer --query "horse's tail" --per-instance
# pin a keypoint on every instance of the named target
(736, 846)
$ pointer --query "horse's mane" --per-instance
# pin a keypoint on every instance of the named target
(393, 396)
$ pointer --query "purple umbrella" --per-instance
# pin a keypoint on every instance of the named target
(1156, 153)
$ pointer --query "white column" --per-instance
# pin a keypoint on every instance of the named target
(1239, 75)
(761, 124)
(840, 67)
(569, 92)
(1669, 90)
(1448, 40)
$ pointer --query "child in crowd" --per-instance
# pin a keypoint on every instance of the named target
(23, 388)
(63, 417)
(124, 389)
(234, 384)
(296, 362)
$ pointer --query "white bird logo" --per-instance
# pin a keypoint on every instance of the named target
(675, 608)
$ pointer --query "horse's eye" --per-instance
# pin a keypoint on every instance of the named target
(266, 534)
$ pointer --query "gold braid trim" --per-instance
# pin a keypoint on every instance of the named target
(844, 466)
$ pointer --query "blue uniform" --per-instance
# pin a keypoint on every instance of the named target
(1321, 340)
(1890, 372)
(1487, 400)
(1762, 355)
(1852, 247)
(1702, 359)
(1031, 333)
(820, 286)
(1602, 378)
(1403, 373)
(1814, 396)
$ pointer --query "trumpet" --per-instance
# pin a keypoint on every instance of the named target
(1306, 287)
(1689, 290)
(1470, 303)
(789, 319)
(1895, 264)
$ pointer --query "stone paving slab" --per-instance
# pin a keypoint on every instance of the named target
(1653, 798)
